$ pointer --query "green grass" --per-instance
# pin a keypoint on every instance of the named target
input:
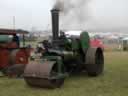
(114, 82)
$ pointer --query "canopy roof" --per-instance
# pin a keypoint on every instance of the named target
(12, 32)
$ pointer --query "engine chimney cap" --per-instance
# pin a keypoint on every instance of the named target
(55, 10)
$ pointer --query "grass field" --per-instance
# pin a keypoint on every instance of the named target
(114, 82)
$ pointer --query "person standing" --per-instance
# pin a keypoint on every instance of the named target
(16, 39)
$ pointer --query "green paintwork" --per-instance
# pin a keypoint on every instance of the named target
(85, 40)
(125, 45)
(66, 43)
(70, 51)
(4, 38)
(75, 44)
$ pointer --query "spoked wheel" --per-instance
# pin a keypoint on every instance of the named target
(94, 61)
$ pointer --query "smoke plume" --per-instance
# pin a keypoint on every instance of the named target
(73, 13)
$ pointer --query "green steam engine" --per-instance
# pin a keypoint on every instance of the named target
(64, 56)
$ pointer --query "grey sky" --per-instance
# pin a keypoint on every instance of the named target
(104, 14)
(28, 13)
(109, 14)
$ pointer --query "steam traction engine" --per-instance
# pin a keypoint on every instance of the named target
(64, 55)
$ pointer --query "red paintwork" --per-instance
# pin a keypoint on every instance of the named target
(97, 43)
(12, 45)
(22, 57)
(11, 32)
(9, 45)
(4, 58)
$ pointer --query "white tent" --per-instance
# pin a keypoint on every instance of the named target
(77, 33)
(126, 38)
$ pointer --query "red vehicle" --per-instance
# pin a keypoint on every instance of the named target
(97, 43)
(11, 53)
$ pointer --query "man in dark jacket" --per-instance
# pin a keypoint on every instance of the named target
(16, 39)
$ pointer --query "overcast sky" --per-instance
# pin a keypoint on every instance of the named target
(105, 14)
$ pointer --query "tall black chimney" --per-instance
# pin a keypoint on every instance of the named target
(55, 23)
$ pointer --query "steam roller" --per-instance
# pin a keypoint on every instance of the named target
(63, 56)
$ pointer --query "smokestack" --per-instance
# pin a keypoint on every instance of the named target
(55, 23)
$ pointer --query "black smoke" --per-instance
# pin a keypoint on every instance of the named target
(73, 13)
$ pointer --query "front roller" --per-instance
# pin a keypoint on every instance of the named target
(44, 75)
(94, 61)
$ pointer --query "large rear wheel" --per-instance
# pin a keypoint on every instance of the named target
(94, 61)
